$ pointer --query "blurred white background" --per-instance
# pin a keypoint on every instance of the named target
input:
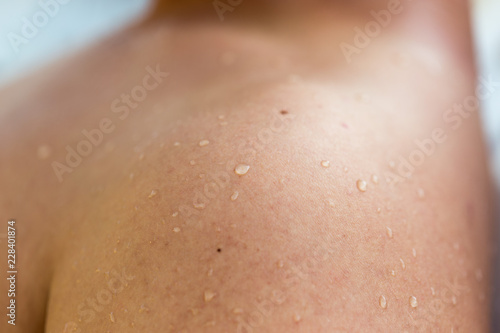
(80, 22)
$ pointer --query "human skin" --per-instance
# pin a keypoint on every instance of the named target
(302, 248)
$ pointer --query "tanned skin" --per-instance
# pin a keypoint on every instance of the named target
(153, 231)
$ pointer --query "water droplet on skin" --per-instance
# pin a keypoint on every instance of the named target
(177, 229)
(297, 318)
(210, 272)
(43, 152)
(204, 143)
(346, 169)
(454, 300)
(392, 164)
(241, 169)
(393, 273)
(177, 144)
(361, 185)
(143, 309)
(192, 162)
(153, 194)
(456, 246)
(112, 317)
(234, 196)
(175, 214)
(209, 295)
(331, 203)
(280, 264)
(375, 179)
(382, 302)
(403, 265)
(115, 250)
(421, 193)
(389, 232)
(413, 302)
(379, 210)
(238, 311)
(221, 117)
(414, 252)
(210, 323)
(433, 292)
(199, 206)
(325, 164)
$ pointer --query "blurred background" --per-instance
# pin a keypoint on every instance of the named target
(79, 23)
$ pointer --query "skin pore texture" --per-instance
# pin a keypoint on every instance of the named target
(328, 230)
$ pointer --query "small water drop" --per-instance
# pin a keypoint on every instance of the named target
(210, 323)
(192, 162)
(112, 317)
(177, 229)
(234, 196)
(403, 265)
(241, 169)
(392, 164)
(297, 318)
(361, 185)
(143, 309)
(421, 193)
(382, 301)
(454, 300)
(210, 271)
(177, 144)
(175, 214)
(414, 252)
(153, 194)
(331, 203)
(413, 302)
(43, 152)
(346, 169)
(280, 264)
(238, 311)
(209, 295)
(433, 292)
(393, 273)
(379, 210)
(325, 164)
(204, 143)
(375, 179)
(199, 205)
(389, 232)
